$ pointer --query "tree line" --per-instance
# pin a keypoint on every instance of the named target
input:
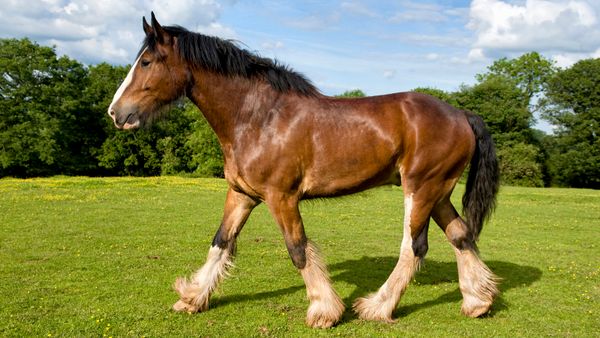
(53, 121)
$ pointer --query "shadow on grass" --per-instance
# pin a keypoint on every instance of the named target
(238, 298)
(369, 273)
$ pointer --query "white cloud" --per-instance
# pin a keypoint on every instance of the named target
(389, 73)
(357, 8)
(315, 22)
(272, 45)
(433, 40)
(475, 54)
(108, 30)
(420, 15)
(425, 12)
(567, 59)
(189, 12)
(216, 29)
(547, 26)
(432, 56)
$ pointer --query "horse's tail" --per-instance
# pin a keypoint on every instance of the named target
(483, 182)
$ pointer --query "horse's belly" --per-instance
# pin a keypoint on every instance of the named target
(341, 179)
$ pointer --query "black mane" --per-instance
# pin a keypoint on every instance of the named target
(226, 58)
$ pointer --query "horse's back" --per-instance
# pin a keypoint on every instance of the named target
(428, 129)
(412, 121)
(363, 142)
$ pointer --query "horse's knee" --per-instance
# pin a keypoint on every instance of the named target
(297, 253)
(458, 235)
(462, 242)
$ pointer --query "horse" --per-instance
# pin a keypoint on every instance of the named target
(283, 141)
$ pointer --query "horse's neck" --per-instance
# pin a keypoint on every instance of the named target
(220, 99)
(227, 101)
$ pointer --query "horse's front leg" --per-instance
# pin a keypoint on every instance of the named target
(195, 293)
(326, 307)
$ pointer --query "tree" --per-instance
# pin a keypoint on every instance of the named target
(42, 119)
(179, 142)
(103, 81)
(502, 105)
(204, 148)
(573, 98)
(521, 164)
(504, 108)
(440, 94)
(148, 151)
(530, 72)
(352, 93)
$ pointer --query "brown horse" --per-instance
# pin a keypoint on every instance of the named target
(283, 141)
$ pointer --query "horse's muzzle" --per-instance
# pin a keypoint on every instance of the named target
(124, 120)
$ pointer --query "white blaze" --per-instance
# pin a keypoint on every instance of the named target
(125, 84)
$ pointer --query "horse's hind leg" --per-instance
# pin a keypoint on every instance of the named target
(326, 307)
(196, 292)
(478, 284)
(417, 209)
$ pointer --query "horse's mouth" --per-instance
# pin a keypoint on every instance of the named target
(131, 122)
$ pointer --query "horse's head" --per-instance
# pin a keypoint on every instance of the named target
(158, 77)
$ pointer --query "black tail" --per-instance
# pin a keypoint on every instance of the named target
(479, 200)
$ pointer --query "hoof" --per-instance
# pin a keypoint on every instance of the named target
(192, 297)
(324, 315)
(478, 303)
(321, 322)
(475, 309)
(368, 309)
(182, 306)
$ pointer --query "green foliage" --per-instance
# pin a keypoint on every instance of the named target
(131, 153)
(440, 94)
(43, 122)
(521, 164)
(577, 166)
(530, 72)
(205, 149)
(53, 121)
(573, 106)
(503, 107)
(102, 259)
(103, 81)
(352, 93)
(179, 143)
(506, 97)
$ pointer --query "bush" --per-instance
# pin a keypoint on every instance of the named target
(520, 165)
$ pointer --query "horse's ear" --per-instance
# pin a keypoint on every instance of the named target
(147, 28)
(161, 35)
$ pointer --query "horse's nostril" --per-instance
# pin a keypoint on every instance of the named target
(111, 112)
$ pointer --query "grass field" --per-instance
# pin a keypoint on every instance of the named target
(97, 257)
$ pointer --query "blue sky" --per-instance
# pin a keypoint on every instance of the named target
(380, 47)
(376, 46)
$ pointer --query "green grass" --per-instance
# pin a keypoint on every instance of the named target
(97, 257)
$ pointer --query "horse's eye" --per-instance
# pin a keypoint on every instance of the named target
(145, 63)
